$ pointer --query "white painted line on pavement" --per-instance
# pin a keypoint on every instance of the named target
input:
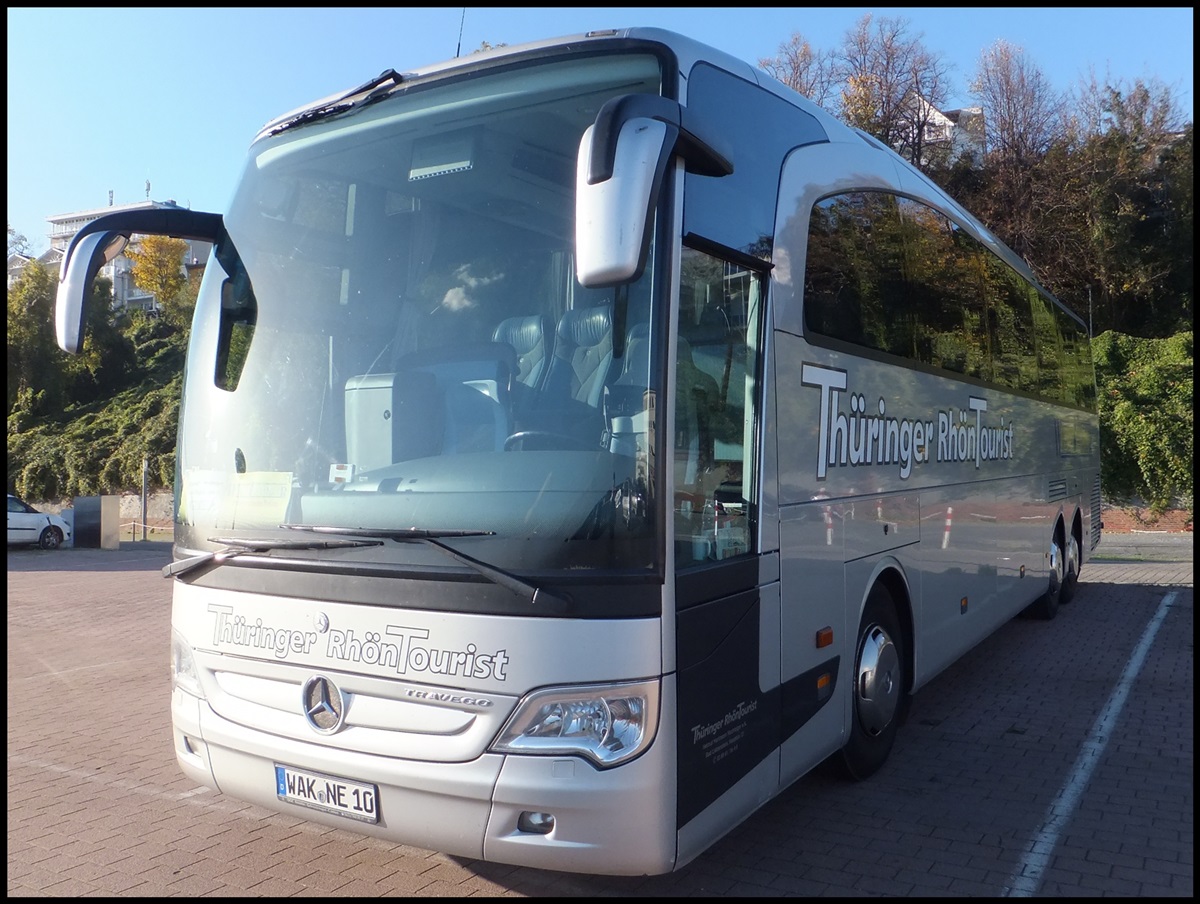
(1026, 879)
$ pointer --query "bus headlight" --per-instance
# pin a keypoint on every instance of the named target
(607, 723)
(184, 674)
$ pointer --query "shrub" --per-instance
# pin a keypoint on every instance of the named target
(1146, 420)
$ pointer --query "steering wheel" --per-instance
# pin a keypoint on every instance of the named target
(546, 440)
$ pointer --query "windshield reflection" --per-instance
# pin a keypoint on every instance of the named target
(392, 336)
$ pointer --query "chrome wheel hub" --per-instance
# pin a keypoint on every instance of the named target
(877, 682)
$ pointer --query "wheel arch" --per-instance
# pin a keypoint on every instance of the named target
(1058, 533)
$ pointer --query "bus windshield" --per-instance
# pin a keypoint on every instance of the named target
(392, 336)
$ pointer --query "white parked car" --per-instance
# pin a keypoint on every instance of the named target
(26, 525)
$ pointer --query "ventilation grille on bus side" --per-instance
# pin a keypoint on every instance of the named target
(1056, 490)
(1097, 514)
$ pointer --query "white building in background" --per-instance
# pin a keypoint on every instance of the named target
(16, 263)
(951, 135)
(126, 296)
(964, 131)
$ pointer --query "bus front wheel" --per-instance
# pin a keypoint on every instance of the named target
(879, 687)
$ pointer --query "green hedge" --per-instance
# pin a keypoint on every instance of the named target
(1146, 419)
(98, 449)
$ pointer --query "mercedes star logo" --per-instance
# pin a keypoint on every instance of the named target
(323, 704)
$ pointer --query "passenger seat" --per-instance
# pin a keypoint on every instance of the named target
(528, 337)
(582, 356)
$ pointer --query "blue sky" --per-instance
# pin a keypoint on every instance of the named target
(103, 100)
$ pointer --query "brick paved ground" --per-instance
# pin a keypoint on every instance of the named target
(965, 806)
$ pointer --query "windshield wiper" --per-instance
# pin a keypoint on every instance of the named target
(537, 596)
(235, 546)
(387, 533)
(377, 87)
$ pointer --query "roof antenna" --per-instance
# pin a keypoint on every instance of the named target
(458, 49)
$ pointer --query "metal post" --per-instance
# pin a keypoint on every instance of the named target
(145, 482)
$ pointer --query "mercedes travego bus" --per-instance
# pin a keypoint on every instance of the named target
(581, 441)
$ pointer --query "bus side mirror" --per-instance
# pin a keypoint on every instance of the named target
(80, 264)
(613, 216)
(103, 239)
(618, 175)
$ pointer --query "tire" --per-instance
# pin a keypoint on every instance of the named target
(1046, 606)
(879, 687)
(51, 538)
(1070, 569)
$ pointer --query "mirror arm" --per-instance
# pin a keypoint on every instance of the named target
(98, 242)
(176, 222)
(700, 155)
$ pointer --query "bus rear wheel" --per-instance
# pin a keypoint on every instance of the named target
(1070, 569)
(1045, 607)
(879, 687)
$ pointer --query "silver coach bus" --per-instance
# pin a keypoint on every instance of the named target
(581, 441)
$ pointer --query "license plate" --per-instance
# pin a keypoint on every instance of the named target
(328, 793)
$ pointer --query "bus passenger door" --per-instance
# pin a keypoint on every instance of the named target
(727, 621)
